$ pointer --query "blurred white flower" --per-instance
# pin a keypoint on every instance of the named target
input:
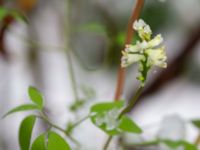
(156, 57)
(172, 127)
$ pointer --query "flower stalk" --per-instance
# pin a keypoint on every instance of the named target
(121, 72)
(130, 33)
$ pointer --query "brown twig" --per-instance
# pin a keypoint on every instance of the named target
(121, 73)
(130, 32)
(7, 21)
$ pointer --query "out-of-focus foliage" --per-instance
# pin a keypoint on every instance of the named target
(158, 15)
(5, 12)
(106, 117)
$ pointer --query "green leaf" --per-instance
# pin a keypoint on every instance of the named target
(35, 96)
(24, 107)
(69, 128)
(77, 105)
(25, 132)
(102, 107)
(172, 144)
(12, 12)
(196, 123)
(127, 125)
(39, 143)
(176, 144)
(19, 16)
(56, 142)
(3, 13)
(189, 146)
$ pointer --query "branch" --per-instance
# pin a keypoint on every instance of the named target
(7, 21)
(130, 33)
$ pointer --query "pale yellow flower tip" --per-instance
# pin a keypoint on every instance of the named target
(143, 29)
(157, 57)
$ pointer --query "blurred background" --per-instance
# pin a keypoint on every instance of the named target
(70, 50)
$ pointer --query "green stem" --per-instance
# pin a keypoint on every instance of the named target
(72, 76)
(132, 102)
(121, 73)
(107, 143)
(126, 110)
(46, 119)
(67, 47)
(79, 122)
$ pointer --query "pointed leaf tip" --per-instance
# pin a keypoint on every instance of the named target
(35, 96)
(24, 107)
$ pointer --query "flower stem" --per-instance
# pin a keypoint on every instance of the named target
(132, 102)
(197, 141)
(79, 122)
(126, 110)
(121, 72)
(67, 46)
(130, 33)
(107, 143)
(72, 76)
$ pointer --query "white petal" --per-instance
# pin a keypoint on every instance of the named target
(131, 58)
(157, 57)
(142, 45)
(132, 48)
(155, 41)
(147, 29)
(138, 25)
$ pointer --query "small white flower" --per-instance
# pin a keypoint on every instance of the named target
(156, 57)
(138, 25)
(142, 45)
(143, 29)
(156, 41)
(135, 53)
(147, 29)
(128, 59)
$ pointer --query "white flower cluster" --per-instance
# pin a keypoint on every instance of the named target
(109, 119)
(147, 52)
